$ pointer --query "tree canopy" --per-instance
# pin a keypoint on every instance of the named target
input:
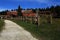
(19, 10)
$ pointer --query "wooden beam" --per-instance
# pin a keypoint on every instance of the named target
(51, 18)
(38, 17)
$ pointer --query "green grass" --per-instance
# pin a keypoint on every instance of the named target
(1, 25)
(44, 31)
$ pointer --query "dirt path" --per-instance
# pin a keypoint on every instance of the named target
(13, 31)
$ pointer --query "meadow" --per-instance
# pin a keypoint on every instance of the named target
(45, 31)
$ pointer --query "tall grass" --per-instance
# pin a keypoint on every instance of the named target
(1, 25)
(45, 31)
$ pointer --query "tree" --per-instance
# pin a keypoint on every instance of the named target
(19, 11)
(52, 9)
(57, 10)
(4, 12)
(34, 10)
(12, 10)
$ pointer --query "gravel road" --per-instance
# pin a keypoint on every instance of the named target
(13, 31)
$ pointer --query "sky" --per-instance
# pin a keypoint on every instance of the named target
(13, 4)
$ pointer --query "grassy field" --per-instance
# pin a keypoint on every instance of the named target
(44, 31)
(1, 25)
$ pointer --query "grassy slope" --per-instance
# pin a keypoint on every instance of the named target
(1, 25)
(44, 31)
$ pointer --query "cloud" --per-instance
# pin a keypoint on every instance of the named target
(3, 9)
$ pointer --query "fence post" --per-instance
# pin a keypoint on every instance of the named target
(31, 19)
(51, 18)
(1, 17)
(38, 18)
(26, 18)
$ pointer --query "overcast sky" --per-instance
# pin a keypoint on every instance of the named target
(13, 4)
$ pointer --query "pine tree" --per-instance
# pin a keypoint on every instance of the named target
(19, 11)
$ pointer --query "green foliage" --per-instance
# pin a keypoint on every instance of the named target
(56, 10)
(1, 25)
(3, 12)
(19, 11)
